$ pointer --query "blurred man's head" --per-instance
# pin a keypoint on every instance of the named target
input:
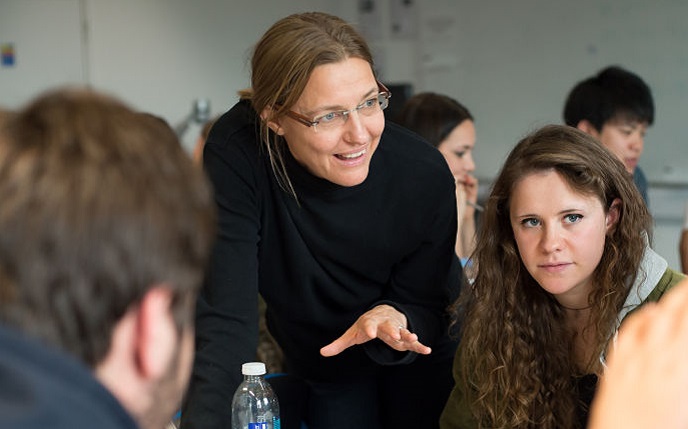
(616, 107)
(105, 230)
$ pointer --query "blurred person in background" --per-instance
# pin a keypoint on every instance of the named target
(106, 227)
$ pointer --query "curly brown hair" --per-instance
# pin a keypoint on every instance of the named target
(516, 349)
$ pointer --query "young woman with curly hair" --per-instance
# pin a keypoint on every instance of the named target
(562, 257)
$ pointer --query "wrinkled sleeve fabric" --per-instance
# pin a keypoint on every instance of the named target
(428, 279)
(227, 307)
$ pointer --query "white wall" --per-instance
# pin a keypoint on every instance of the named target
(162, 54)
(512, 63)
(516, 64)
(157, 55)
(46, 36)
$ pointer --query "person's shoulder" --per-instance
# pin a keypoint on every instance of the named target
(639, 175)
(669, 279)
(403, 136)
(235, 133)
(236, 126)
(48, 382)
(418, 169)
(411, 149)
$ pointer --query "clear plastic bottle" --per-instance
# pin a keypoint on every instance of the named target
(255, 404)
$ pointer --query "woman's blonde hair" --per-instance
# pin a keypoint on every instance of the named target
(515, 351)
(282, 63)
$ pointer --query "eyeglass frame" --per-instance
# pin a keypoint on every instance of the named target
(382, 91)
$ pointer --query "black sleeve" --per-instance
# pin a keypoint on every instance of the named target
(427, 280)
(227, 308)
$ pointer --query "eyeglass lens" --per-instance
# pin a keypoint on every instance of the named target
(365, 109)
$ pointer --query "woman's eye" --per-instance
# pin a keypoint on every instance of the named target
(530, 222)
(370, 103)
(460, 154)
(573, 218)
(328, 117)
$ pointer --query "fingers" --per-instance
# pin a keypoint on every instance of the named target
(410, 343)
(383, 322)
(360, 332)
(468, 182)
(467, 189)
(401, 339)
(333, 349)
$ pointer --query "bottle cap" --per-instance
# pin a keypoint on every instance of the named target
(253, 368)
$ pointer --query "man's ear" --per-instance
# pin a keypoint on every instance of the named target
(156, 333)
(273, 124)
(613, 214)
(588, 128)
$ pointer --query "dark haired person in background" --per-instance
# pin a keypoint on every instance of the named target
(616, 107)
(448, 125)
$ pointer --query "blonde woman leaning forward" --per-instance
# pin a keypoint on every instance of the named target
(344, 224)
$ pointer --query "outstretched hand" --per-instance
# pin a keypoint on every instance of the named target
(383, 322)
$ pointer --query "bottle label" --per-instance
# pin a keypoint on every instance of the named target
(266, 425)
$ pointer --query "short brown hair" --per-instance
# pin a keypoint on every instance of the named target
(99, 204)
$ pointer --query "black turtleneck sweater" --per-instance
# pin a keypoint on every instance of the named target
(319, 262)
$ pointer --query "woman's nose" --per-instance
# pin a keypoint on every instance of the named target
(354, 128)
(551, 239)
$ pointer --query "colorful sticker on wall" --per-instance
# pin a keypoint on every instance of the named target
(7, 54)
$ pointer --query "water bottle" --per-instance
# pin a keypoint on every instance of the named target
(255, 405)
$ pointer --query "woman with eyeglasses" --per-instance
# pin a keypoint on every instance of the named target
(343, 223)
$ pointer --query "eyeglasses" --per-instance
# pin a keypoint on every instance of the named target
(333, 120)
